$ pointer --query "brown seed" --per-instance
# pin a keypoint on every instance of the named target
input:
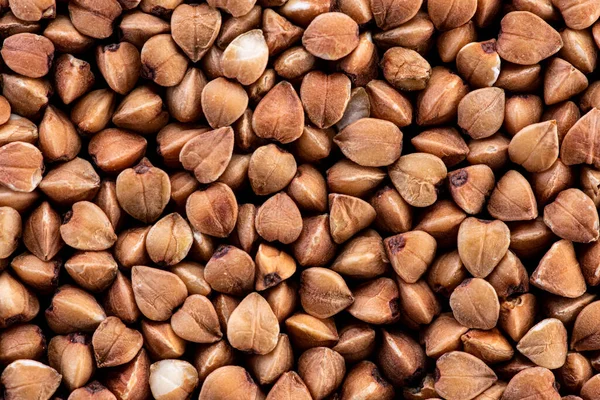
(558, 271)
(365, 380)
(86, 227)
(229, 383)
(572, 216)
(119, 300)
(450, 42)
(19, 342)
(283, 299)
(323, 37)
(213, 211)
(410, 254)
(94, 390)
(577, 146)
(509, 277)
(481, 112)
(446, 273)
(583, 16)
(562, 81)
(107, 200)
(33, 10)
(157, 293)
(28, 54)
(142, 111)
(39, 274)
(521, 111)
(393, 213)
(376, 302)
(113, 150)
(94, 271)
(324, 293)
(512, 199)
(492, 151)
(405, 69)
(273, 266)
(361, 64)
(517, 315)
(130, 248)
(549, 183)
(400, 358)
(29, 379)
(279, 115)
(589, 99)
(442, 221)
(291, 386)
(517, 30)
(269, 367)
(362, 258)
(271, 169)
(184, 100)
(418, 302)
(195, 28)
(470, 187)
(545, 344)
(21, 166)
(389, 104)
(416, 177)
(489, 346)
(438, 102)
(519, 78)
(445, 143)
(208, 154)
(576, 370)
(18, 129)
(532, 382)
(315, 246)
(348, 216)
(73, 181)
(10, 231)
(93, 111)
(137, 27)
(460, 375)
(224, 305)
(356, 343)
(482, 244)
(293, 63)
(169, 240)
(114, 343)
(65, 36)
(171, 140)
(143, 191)
(565, 309)
(279, 219)
(94, 18)
(357, 142)
(120, 65)
(325, 97)
(246, 57)
(391, 14)
(307, 331)
(443, 335)
(58, 139)
(208, 358)
(253, 312)
(308, 189)
(73, 310)
(475, 304)
(130, 381)
(585, 331)
(479, 63)
(21, 304)
(230, 270)
(162, 61)
(322, 370)
(196, 321)
(245, 234)
(447, 16)
(236, 173)
(192, 275)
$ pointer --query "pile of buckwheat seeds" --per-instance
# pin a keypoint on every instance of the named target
(299, 199)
